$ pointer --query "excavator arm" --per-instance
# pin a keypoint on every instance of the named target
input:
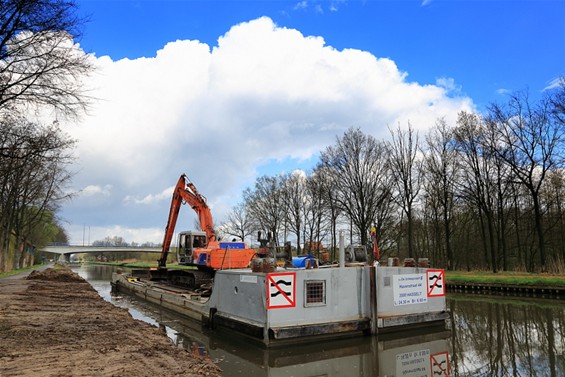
(186, 192)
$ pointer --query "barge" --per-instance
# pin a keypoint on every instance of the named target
(292, 305)
(297, 302)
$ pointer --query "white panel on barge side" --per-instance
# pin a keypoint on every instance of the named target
(409, 297)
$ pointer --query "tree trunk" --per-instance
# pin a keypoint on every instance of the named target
(447, 230)
(411, 253)
(483, 236)
(539, 230)
(491, 238)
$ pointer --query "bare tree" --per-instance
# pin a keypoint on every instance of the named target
(293, 186)
(406, 170)
(239, 224)
(265, 203)
(358, 162)
(532, 140)
(39, 61)
(442, 171)
(316, 217)
(33, 166)
(326, 183)
(554, 194)
(41, 68)
(478, 183)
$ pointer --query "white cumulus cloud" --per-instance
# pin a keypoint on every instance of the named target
(151, 198)
(264, 93)
(92, 190)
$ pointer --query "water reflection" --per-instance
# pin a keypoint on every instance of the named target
(419, 355)
(95, 272)
(499, 336)
(489, 336)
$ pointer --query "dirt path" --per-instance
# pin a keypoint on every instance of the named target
(53, 323)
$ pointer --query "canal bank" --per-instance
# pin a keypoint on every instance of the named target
(54, 323)
(506, 283)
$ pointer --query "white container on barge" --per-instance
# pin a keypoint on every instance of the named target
(300, 305)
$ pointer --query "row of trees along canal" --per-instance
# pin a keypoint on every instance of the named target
(40, 81)
(486, 192)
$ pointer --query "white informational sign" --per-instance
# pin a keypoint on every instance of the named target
(409, 289)
(413, 364)
(248, 279)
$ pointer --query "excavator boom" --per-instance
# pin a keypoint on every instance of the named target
(199, 249)
(186, 192)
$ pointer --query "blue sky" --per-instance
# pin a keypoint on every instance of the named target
(225, 91)
(485, 46)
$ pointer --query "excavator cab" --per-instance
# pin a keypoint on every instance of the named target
(188, 242)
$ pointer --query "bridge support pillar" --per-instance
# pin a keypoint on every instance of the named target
(65, 258)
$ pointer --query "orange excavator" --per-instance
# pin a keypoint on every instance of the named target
(199, 249)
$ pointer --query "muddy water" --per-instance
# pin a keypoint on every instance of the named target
(487, 336)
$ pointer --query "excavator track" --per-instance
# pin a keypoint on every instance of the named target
(192, 279)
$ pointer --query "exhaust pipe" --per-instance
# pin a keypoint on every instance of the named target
(341, 249)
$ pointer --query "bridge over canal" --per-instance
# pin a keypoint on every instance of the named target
(65, 251)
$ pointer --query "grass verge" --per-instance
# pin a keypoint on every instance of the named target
(19, 271)
(505, 278)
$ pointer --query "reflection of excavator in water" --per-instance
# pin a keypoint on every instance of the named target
(197, 248)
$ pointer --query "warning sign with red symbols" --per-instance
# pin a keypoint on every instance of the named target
(440, 364)
(281, 290)
(436, 283)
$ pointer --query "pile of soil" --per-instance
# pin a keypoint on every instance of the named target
(53, 323)
(55, 275)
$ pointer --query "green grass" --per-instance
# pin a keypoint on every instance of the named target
(19, 271)
(505, 278)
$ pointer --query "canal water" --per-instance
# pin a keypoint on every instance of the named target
(486, 336)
